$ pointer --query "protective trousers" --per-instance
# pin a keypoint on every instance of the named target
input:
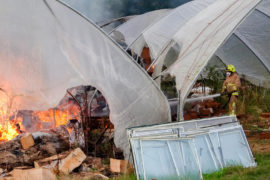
(232, 105)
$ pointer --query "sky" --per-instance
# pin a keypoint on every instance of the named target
(104, 10)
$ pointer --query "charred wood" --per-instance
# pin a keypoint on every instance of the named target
(13, 155)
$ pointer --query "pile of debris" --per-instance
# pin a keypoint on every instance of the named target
(27, 148)
(45, 155)
(74, 137)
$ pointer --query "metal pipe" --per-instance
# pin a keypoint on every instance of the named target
(178, 105)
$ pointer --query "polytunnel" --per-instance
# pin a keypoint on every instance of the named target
(214, 25)
(244, 45)
(46, 48)
(186, 150)
(247, 48)
(158, 33)
(128, 32)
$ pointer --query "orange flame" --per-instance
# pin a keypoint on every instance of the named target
(56, 117)
(8, 132)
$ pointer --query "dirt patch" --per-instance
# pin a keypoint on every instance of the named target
(259, 145)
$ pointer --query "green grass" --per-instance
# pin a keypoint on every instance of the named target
(261, 172)
(125, 177)
(253, 100)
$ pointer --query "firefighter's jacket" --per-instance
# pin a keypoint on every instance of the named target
(232, 84)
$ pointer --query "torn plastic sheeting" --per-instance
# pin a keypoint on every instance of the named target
(213, 147)
(157, 36)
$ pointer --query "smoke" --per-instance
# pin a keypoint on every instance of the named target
(175, 3)
(96, 10)
(104, 10)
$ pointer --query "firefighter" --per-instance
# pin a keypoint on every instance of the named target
(231, 88)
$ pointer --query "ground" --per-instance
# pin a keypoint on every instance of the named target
(258, 134)
(259, 144)
(261, 152)
(261, 172)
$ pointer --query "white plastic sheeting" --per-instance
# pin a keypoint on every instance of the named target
(193, 148)
(131, 30)
(248, 47)
(213, 25)
(159, 35)
(46, 48)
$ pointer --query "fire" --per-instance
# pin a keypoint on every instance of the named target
(11, 122)
(8, 132)
(56, 117)
(8, 129)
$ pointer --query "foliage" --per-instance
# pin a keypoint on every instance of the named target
(103, 148)
(253, 100)
(240, 173)
(168, 86)
(214, 79)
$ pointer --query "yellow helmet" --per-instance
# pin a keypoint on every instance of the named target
(230, 68)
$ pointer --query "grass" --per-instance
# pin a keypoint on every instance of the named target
(125, 177)
(261, 172)
(253, 100)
